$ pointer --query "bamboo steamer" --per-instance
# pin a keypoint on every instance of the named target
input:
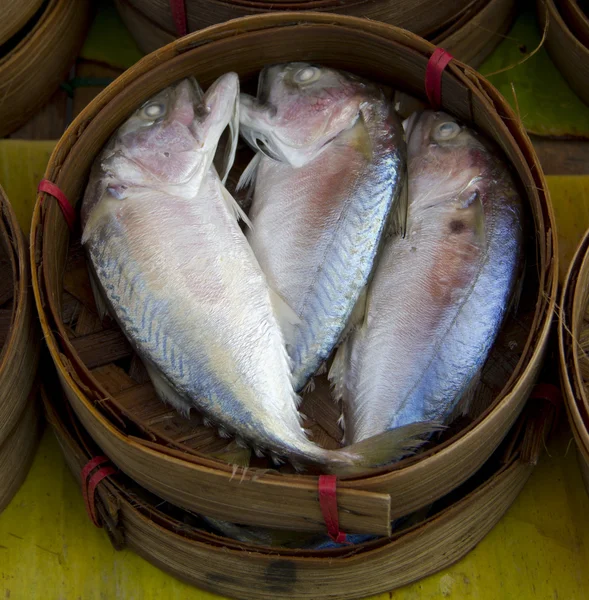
(573, 328)
(15, 15)
(576, 19)
(19, 354)
(468, 30)
(32, 70)
(17, 452)
(568, 52)
(171, 456)
(173, 540)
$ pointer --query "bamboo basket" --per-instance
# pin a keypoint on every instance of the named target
(19, 354)
(576, 19)
(172, 456)
(568, 52)
(18, 450)
(177, 543)
(573, 328)
(468, 30)
(15, 15)
(33, 69)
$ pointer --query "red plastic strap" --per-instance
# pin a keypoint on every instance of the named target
(89, 486)
(179, 15)
(328, 502)
(66, 208)
(549, 392)
(438, 61)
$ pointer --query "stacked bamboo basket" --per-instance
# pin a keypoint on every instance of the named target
(567, 40)
(174, 458)
(19, 353)
(469, 29)
(573, 329)
(39, 42)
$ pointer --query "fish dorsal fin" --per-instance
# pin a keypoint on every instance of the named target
(400, 210)
(231, 148)
(248, 177)
(234, 207)
(337, 372)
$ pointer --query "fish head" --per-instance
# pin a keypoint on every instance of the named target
(172, 138)
(299, 108)
(450, 160)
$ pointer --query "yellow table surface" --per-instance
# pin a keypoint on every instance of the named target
(49, 549)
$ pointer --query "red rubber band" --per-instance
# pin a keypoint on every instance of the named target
(66, 208)
(94, 481)
(438, 61)
(327, 486)
(549, 392)
(179, 15)
(89, 487)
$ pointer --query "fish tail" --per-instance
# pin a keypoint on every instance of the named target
(380, 450)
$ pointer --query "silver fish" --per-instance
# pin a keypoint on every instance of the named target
(331, 157)
(439, 294)
(177, 272)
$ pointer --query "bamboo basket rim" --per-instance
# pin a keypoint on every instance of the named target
(44, 24)
(490, 98)
(456, 32)
(575, 11)
(567, 346)
(24, 435)
(516, 452)
(25, 12)
(556, 17)
(19, 250)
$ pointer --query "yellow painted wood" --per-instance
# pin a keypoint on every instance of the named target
(570, 199)
(49, 550)
(22, 164)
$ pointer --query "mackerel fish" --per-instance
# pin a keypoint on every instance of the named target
(327, 175)
(440, 293)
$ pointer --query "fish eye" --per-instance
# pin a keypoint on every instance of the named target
(446, 131)
(307, 75)
(154, 110)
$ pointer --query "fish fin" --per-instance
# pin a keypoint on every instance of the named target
(166, 392)
(101, 302)
(362, 139)
(231, 148)
(322, 369)
(358, 315)
(398, 217)
(337, 371)
(234, 207)
(309, 387)
(465, 402)
(471, 200)
(380, 450)
(234, 455)
(248, 177)
(287, 318)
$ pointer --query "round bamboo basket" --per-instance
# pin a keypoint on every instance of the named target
(468, 30)
(576, 19)
(177, 543)
(33, 69)
(15, 15)
(573, 333)
(19, 355)
(17, 452)
(172, 456)
(568, 51)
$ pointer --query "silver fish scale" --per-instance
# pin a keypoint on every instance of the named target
(348, 264)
